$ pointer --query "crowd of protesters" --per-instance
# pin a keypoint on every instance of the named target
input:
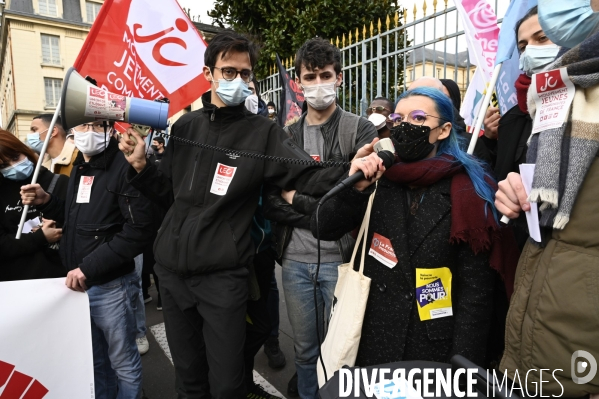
(109, 210)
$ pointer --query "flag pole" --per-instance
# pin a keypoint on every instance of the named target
(483, 108)
(38, 166)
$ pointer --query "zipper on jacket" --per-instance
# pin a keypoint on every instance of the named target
(193, 174)
(130, 211)
(212, 116)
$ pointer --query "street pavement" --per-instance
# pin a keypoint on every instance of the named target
(159, 373)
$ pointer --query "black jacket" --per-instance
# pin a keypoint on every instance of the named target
(203, 231)
(29, 257)
(298, 214)
(392, 329)
(514, 131)
(103, 236)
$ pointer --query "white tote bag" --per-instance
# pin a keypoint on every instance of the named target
(340, 346)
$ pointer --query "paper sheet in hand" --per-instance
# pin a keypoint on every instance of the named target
(527, 172)
(45, 341)
(30, 225)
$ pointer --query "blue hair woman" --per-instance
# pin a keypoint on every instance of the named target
(435, 248)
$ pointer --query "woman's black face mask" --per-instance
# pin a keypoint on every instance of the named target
(411, 141)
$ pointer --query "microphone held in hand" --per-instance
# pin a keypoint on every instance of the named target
(384, 150)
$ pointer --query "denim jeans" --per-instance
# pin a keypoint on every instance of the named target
(140, 312)
(117, 365)
(298, 279)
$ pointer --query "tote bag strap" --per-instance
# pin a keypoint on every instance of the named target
(363, 234)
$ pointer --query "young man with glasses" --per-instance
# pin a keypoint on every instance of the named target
(327, 133)
(204, 245)
(106, 223)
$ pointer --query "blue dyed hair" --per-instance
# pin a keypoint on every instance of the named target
(454, 144)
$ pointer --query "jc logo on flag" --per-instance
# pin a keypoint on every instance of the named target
(168, 53)
(145, 49)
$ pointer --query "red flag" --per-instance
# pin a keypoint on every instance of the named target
(146, 49)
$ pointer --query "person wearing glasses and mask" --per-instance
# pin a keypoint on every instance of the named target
(106, 224)
(204, 245)
(433, 251)
(378, 113)
(35, 254)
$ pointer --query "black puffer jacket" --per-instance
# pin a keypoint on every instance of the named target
(205, 229)
(103, 236)
(29, 257)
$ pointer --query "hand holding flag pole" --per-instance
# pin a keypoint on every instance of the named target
(38, 167)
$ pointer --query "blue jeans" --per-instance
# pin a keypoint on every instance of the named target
(117, 365)
(298, 279)
(140, 312)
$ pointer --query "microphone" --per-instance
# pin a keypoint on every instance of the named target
(384, 149)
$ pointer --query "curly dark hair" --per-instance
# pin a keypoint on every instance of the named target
(226, 41)
(317, 53)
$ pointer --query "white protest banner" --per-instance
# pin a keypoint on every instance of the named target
(46, 344)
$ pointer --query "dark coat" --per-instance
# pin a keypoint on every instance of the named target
(509, 150)
(103, 236)
(392, 329)
(29, 257)
(202, 231)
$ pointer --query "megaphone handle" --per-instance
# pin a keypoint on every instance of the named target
(38, 167)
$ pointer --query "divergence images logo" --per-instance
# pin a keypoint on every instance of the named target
(17, 385)
(166, 53)
(579, 367)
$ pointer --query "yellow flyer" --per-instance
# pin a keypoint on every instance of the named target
(433, 293)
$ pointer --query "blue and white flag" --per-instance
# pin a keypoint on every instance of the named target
(507, 53)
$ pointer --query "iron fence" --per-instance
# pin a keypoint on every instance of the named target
(383, 59)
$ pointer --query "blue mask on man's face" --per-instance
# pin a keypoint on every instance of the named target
(568, 22)
(34, 141)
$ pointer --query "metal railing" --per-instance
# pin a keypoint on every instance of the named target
(383, 59)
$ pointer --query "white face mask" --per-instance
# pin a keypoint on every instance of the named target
(91, 143)
(320, 96)
(535, 58)
(271, 111)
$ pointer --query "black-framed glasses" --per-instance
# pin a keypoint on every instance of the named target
(230, 73)
(97, 127)
(416, 117)
(378, 109)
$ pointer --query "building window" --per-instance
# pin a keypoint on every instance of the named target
(48, 7)
(412, 74)
(438, 73)
(92, 10)
(53, 87)
(50, 50)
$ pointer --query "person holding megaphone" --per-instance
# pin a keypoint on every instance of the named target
(204, 245)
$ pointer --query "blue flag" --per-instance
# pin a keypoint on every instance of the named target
(507, 53)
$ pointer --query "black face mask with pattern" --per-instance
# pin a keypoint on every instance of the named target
(411, 141)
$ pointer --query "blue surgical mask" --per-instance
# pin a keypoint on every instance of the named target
(19, 171)
(567, 22)
(535, 58)
(233, 92)
(34, 141)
